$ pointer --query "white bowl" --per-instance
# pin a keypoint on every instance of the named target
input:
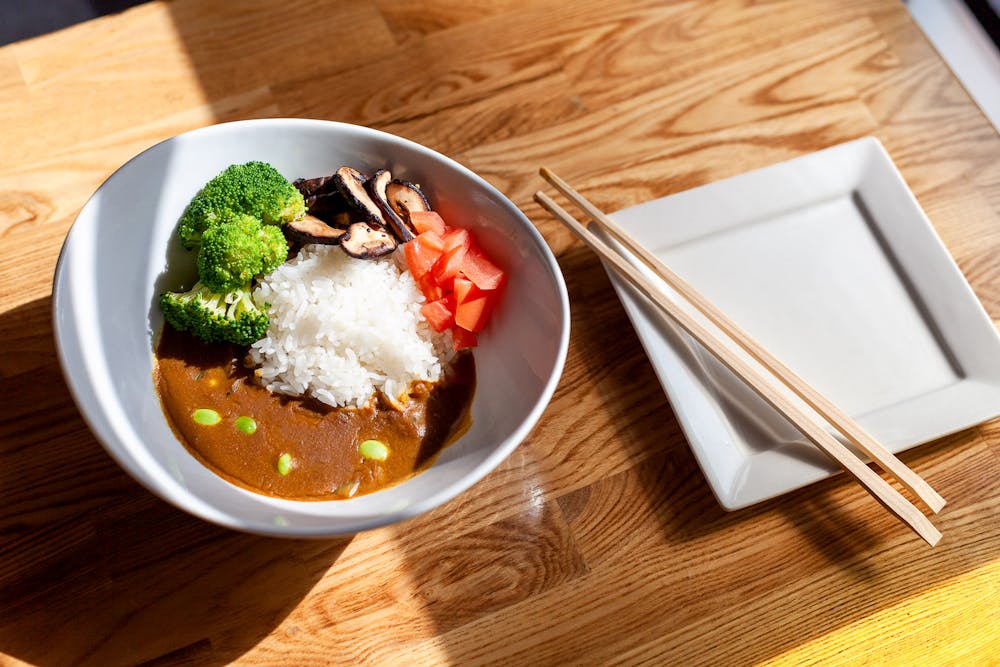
(111, 269)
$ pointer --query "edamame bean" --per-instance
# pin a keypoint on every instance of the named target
(246, 424)
(284, 464)
(206, 417)
(374, 450)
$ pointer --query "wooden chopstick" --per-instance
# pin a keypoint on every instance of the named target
(823, 406)
(816, 434)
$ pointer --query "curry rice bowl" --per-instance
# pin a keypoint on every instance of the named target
(343, 328)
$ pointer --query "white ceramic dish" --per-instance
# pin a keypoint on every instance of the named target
(106, 320)
(829, 262)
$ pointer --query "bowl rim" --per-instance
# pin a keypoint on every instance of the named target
(166, 487)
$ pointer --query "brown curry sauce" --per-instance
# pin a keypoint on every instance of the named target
(322, 441)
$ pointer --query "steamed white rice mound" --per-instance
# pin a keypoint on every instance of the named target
(343, 328)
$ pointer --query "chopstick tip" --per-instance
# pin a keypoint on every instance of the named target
(542, 199)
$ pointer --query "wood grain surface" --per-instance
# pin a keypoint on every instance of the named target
(598, 541)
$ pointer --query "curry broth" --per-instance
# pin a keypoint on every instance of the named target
(322, 441)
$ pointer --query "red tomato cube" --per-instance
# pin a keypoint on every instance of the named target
(472, 313)
(481, 271)
(439, 314)
(463, 288)
(415, 261)
(431, 240)
(429, 288)
(462, 339)
(424, 221)
(456, 237)
(447, 266)
(422, 252)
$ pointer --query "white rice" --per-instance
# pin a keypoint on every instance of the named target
(343, 328)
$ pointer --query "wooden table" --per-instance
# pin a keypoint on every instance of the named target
(598, 540)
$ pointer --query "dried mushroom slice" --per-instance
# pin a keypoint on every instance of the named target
(365, 241)
(377, 188)
(312, 187)
(342, 220)
(351, 183)
(405, 197)
(329, 207)
(323, 190)
(311, 229)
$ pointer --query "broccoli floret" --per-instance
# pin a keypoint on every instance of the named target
(237, 249)
(254, 188)
(216, 317)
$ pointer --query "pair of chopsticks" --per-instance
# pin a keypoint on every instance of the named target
(894, 501)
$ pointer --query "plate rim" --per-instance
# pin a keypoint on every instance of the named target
(676, 380)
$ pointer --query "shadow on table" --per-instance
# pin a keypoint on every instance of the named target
(95, 569)
(27, 19)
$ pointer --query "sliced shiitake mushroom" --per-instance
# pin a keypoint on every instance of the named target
(377, 188)
(311, 229)
(366, 241)
(351, 183)
(311, 187)
(328, 207)
(324, 200)
(366, 238)
(342, 220)
(405, 197)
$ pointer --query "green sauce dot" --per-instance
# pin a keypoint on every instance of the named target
(373, 449)
(246, 424)
(284, 464)
(206, 417)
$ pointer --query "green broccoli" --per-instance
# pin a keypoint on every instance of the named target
(254, 188)
(238, 248)
(216, 317)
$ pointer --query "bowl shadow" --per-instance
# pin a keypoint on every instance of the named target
(96, 570)
(180, 273)
(607, 344)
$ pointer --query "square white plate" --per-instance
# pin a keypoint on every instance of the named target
(830, 263)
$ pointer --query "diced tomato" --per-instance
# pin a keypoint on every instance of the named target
(456, 278)
(462, 339)
(481, 271)
(412, 261)
(472, 305)
(447, 265)
(456, 237)
(472, 313)
(422, 252)
(430, 289)
(439, 314)
(418, 260)
(423, 221)
(432, 240)
(463, 288)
